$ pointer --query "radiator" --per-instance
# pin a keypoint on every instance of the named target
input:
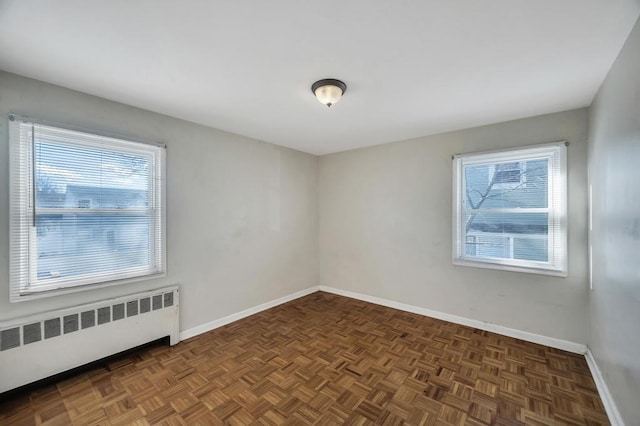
(39, 346)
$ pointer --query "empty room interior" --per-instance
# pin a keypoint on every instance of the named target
(317, 213)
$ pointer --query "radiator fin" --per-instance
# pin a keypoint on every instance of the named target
(70, 323)
(31, 333)
(88, 319)
(51, 328)
(145, 305)
(168, 299)
(10, 338)
(157, 302)
(118, 311)
(132, 308)
(104, 315)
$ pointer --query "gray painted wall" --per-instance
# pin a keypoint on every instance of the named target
(614, 159)
(242, 214)
(386, 220)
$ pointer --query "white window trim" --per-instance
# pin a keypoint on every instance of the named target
(23, 234)
(558, 264)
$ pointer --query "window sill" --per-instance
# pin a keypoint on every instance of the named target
(509, 268)
(33, 295)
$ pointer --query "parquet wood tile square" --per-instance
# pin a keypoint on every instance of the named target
(326, 360)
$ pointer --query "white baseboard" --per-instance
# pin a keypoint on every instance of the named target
(603, 390)
(203, 328)
(566, 345)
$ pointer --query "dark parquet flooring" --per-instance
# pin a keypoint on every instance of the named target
(326, 360)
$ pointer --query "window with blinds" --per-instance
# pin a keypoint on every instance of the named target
(510, 209)
(85, 210)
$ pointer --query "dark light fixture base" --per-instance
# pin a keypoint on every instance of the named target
(328, 82)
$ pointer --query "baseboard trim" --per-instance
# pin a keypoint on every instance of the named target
(607, 400)
(566, 345)
(211, 325)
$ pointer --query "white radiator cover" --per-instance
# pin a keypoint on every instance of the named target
(38, 346)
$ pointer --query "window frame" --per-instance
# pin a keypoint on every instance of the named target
(23, 211)
(556, 153)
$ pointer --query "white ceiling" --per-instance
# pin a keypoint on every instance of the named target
(413, 68)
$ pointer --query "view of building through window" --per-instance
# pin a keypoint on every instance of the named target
(90, 210)
(494, 225)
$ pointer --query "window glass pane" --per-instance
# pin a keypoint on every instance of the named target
(69, 176)
(509, 223)
(521, 184)
(470, 246)
(530, 248)
(507, 235)
(78, 244)
(486, 245)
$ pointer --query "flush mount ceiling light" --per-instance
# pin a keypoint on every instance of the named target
(328, 91)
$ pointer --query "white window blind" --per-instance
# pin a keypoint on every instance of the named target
(510, 209)
(85, 209)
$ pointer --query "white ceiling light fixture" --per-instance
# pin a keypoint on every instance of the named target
(329, 90)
